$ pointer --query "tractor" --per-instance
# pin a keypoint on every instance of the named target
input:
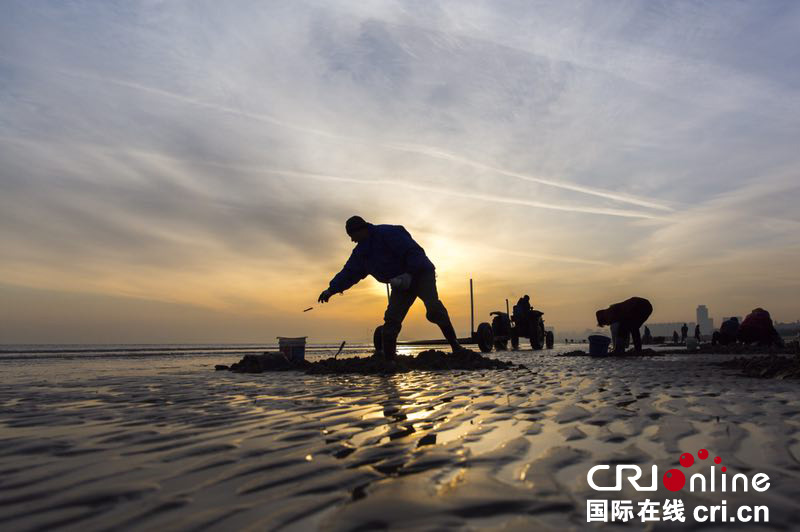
(504, 328)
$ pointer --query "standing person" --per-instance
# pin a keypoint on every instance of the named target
(390, 255)
(648, 336)
(675, 337)
(697, 334)
(684, 333)
(630, 315)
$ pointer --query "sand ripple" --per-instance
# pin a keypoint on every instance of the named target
(201, 449)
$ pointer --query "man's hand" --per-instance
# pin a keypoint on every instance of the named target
(401, 282)
(325, 296)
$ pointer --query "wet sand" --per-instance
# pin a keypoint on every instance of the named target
(174, 445)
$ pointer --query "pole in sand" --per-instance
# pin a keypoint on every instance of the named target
(471, 312)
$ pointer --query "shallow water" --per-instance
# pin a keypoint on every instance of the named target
(165, 442)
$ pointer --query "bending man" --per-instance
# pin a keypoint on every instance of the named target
(630, 315)
(390, 255)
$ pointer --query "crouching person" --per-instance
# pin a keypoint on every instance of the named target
(727, 333)
(757, 328)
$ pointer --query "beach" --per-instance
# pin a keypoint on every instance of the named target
(159, 440)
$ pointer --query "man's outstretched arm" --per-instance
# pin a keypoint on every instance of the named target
(351, 273)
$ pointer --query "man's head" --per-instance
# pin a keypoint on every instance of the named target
(602, 318)
(357, 228)
(526, 297)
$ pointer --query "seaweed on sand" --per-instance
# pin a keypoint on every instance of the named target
(766, 367)
(430, 360)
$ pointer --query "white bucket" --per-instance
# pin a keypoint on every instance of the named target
(293, 348)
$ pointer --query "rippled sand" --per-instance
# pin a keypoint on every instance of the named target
(174, 445)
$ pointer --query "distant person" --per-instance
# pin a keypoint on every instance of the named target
(390, 255)
(648, 337)
(630, 315)
(757, 328)
(675, 337)
(684, 333)
(697, 334)
(727, 333)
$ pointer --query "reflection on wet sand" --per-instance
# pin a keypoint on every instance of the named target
(194, 448)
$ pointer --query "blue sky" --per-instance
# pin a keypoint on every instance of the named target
(199, 159)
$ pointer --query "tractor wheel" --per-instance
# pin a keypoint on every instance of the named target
(485, 337)
(515, 342)
(537, 335)
(377, 338)
(549, 340)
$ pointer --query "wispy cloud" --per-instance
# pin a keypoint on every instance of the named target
(207, 155)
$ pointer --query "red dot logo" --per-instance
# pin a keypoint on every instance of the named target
(702, 454)
(717, 460)
(674, 479)
(687, 459)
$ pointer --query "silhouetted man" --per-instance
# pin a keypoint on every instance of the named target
(630, 315)
(390, 255)
(522, 311)
(684, 332)
(697, 334)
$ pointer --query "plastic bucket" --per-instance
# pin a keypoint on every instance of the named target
(598, 345)
(691, 344)
(293, 348)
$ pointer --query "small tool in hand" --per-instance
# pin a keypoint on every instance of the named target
(309, 308)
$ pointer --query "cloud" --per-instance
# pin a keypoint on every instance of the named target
(196, 153)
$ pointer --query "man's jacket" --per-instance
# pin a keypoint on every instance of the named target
(633, 311)
(388, 252)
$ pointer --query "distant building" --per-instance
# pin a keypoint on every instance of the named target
(706, 323)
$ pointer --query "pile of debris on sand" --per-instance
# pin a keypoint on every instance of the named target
(430, 360)
(766, 367)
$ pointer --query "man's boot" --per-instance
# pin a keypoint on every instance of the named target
(389, 345)
(450, 335)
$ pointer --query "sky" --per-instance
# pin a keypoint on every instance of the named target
(180, 171)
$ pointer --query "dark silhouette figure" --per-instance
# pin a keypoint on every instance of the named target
(648, 337)
(630, 315)
(684, 333)
(697, 334)
(727, 333)
(390, 255)
(757, 328)
(675, 337)
(522, 311)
